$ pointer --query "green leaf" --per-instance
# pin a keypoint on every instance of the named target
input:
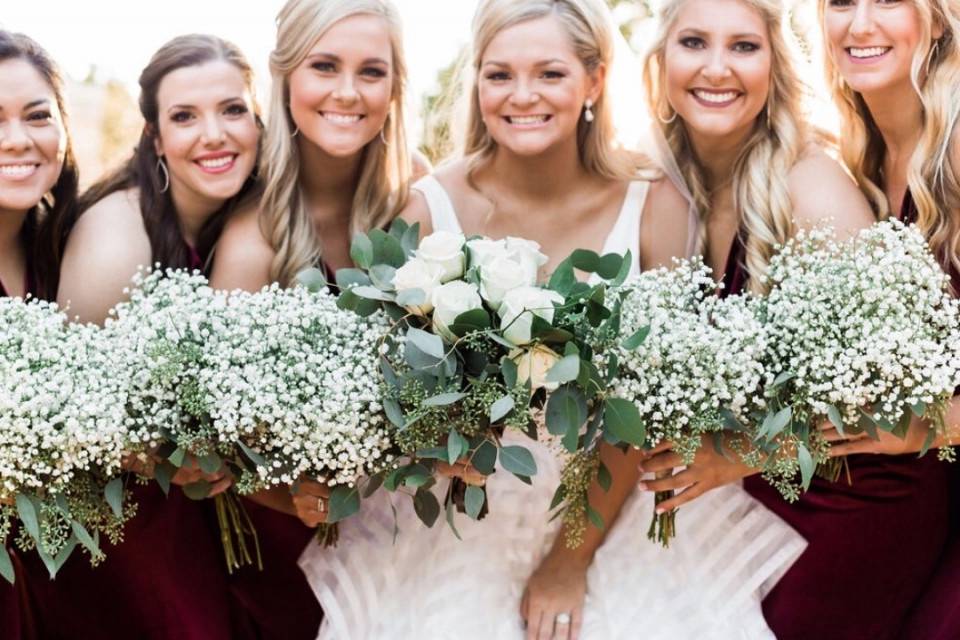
(451, 513)
(637, 338)
(418, 478)
(198, 490)
(624, 270)
(432, 453)
(430, 344)
(361, 251)
(444, 399)
(386, 370)
(210, 463)
(6, 565)
(347, 278)
(621, 419)
(374, 483)
(604, 479)
(558, 497)
(344, 502)
(177, 457)
(518, 461)
(252, 455)
(595, 519)
(834, 415)
(484, 459)
(411, 238)
(563, 279)
(566, 410)
(62, 557)
(372, 293)
(927, 442)
(807, 466)
(386, 249)
(113, 493)
(774, 423)
(163, 474)
(587, 261)
(313, 279)
(613, 368)
(394, 413)
(397, 228)
(501, 408)
(565, 370)
(382, 276)
(426, 506)
(610, 265)
(473, 320)
(84, 537)
(919, 409)
(27, 511)
(508, 368)
(783, 378)
(411, 298)
(473, 501)
(457, 445)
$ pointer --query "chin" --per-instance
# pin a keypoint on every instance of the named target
(20, 199)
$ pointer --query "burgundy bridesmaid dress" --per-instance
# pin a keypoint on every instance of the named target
(873, 544)
(936, 615)
(16, 617)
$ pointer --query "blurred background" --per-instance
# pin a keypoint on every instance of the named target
(103, 44)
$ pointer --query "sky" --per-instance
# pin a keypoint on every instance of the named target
(119, 36)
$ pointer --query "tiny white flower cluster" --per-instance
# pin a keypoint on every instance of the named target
(702, 355)
(62, 402)
(864, 325)
(282, 379)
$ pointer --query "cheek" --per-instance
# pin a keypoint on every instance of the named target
(377, 100)
(306, 92)
(246, 133)
(176, 143)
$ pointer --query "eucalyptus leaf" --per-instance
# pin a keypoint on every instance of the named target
(83, 536)
(394, 413)
(382, 276)
(604, 478)
(210, 463)
(501, 408)
(113, 493)
(6, 565)
(430, 344)
(484, 459)
(63, 555)
(444, 399)
(432, 453)
(584, 260)
(373, 483)
(426, 506)
(457, 445)
(509, 371)
(451, 513)
(834, 415)
(411, 298)
(386, 370)
(637, 338)
(610, 265)
(566, 410)
(313, 279)
(344, 502)
(252, 455)
(387, 249)
(563, 278)
(198, 490)
(807, 466)
(624, 269)
(558, 497)
(783, 378)
(473, 501)
(347, 278)
(29, 516)
(178, 457)
(518, 461)
(373, 293)
(361, 251)
(163, 474)
(775, 423)
(595, 518)
(565, 370)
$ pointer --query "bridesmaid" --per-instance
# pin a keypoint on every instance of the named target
(38, 188)
(723, 84)
(193, 163)
(336, 161)
(894, 70)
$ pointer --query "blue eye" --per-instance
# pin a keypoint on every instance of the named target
(374, 72)
(692, 42)
(498, 76)
(236, 109)
(745, 47)
(324, 67)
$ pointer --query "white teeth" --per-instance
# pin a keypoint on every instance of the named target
(871, 52)
(342, 118)
(716, 98)
(216, 163)
(17, 170)
(527, 119)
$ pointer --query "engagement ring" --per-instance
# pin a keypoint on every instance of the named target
(562, 618)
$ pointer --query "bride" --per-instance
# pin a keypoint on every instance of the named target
(540, 163)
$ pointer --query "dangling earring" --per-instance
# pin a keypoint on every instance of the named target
(383, 138)
(934, 50)
(666, 120)
(162, 170)
(295, 132)
(588, 110)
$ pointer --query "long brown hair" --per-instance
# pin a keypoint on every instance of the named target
(41, 229)
(140, 171)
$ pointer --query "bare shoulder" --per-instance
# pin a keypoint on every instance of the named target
(665, 225)
(417, 211)
(420, 165)
(665, 202)
(105, 249)
(243, 254)
(823, 193)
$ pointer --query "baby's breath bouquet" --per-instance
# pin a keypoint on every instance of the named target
(690, 362)
(62, 409)
(477, 346)
(863, 334)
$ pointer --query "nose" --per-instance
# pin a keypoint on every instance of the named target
(716, 69)
(14, 136)
(213, 131)
(863, 23)
(523, 95)
(346, 90)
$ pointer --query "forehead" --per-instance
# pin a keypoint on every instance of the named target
(207, 83)
(21, 83)
(356, 37)
(720, 17)
(531, 41)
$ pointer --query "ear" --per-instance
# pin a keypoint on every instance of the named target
(937, 29)
(597, 81)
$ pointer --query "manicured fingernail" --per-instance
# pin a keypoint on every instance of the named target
(660, 511)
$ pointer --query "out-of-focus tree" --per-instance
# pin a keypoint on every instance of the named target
(120, 125)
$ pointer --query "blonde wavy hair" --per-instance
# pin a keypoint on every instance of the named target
(931, 178)
(589, 24)
(780, 135)
(382, 188)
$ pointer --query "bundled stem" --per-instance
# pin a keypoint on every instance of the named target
(663, 526)
(235, 524)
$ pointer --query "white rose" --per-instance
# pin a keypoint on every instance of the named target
(527, 253)
(445, 249)
(449, 301)
(518, 308)
(533, 365)
(500, 275)
(482, 250)
(418, 274)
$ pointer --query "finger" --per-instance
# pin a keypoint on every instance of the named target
(660, 448)
(523, 608)
(546, 625)
(220, 486)
(863, 445)
(561, 630)
(672, 483)
(688, 495)
(533, 623)
(314, 490)
(826, 425)
(662, 462)
(576, 623)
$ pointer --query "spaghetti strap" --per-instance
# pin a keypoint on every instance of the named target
(625, 234)
(443, 216)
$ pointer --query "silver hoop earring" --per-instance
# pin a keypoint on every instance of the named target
(588, 111)
(162, 170)
(296, 131)
(383, 138)
(934, 50)
(666, 120)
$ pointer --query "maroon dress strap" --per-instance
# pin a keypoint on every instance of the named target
(735, 274)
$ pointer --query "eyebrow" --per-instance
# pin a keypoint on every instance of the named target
(702, 33)
(336, 58)
(190, 106)
(542, 63)
(32, 104)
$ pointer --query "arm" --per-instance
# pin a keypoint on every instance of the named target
(417, 211)
(243, 256)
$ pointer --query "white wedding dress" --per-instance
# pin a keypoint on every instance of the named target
(428, 585)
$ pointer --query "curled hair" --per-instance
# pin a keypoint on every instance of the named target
(383, 185)
(43, 228)
(591, 31)
(761, 194)
(931, 178)
(159, 213)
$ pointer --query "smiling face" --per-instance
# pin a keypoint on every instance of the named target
(207, 133)
(340, 94)
(532, 87)
(873, 42)
(717, 64)
(32, 137)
